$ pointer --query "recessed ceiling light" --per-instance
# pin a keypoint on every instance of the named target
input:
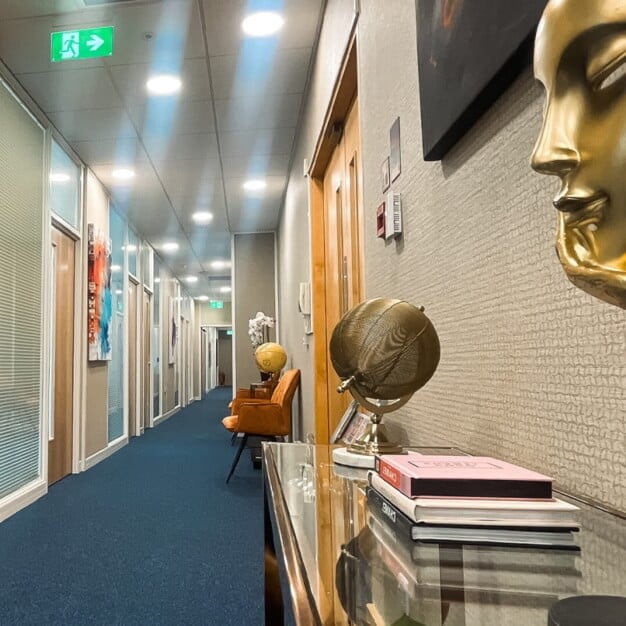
(254, 185)
(164, 84)
(131, 247)
(218, 264)
(170, 246)
(262, 24)
(191, 279)
(116, 268)
(157, 279)
(225, 289)
(203, 298)
(59, 177)
(202, 217)
(119, 292)
(123, 173)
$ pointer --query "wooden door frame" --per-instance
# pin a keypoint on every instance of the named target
(344, 93)
(78, 424)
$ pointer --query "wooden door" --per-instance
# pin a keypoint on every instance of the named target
(61, 424)
(146, 363)
(342, 261)
(132, 358)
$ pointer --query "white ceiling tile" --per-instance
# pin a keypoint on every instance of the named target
(182, 117)
(256, 166)
(234, 187)
(71, 89)
(189, 174)
(174, 26)
(124, 151)
(205, 198)
(224, 34)
(265, 220)
(262, 142)
(190, 146)
(193, 185)
(254, 208)
(131, 80)
(92, 124)
(13, 9)
(235, 76)
(270, 112)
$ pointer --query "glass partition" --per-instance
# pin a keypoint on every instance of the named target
(146, 265)
(132, 247)
(117, 232)
(64, 186)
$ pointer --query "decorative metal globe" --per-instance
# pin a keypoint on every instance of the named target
(270, 357)
(384, 350)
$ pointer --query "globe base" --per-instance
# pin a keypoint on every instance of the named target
(375, 440)
(342, 456)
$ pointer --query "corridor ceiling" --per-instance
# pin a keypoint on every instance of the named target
(234, 119)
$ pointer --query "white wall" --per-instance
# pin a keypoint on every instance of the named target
(532, 370)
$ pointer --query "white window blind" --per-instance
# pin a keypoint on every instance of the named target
(21, 249)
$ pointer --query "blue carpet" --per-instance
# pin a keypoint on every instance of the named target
(152, 535)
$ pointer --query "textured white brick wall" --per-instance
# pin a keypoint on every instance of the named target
(532, 370)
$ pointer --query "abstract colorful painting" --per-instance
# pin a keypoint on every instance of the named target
(99, 305)
(469, 52)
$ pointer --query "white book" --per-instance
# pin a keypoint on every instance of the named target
(479, 511)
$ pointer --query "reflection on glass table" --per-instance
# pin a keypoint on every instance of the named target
(343, 564)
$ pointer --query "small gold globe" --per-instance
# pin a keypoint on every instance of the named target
(270, 357)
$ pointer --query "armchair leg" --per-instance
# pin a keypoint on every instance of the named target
(242, 445)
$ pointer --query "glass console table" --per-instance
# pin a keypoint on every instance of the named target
(329, 561)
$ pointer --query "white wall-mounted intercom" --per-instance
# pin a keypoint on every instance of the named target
(393, 215)
(304, 299)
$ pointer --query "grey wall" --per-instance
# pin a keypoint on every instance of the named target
(532, 369)
(215, 317)
(254, 278)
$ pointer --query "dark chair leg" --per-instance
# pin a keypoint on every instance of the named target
(233, 439)
(242, 445)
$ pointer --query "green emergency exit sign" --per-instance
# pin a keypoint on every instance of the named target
(216, 304)
(86, 43)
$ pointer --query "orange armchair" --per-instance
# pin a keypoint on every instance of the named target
(263, 417)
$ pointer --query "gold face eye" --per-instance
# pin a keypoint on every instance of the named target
(605, 65)
(615, 73)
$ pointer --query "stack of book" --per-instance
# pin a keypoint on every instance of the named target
(469, 500)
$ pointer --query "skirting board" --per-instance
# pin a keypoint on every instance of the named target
(112, 448)
(167, 415)
(21, 498)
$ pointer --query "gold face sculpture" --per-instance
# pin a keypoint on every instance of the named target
(580, 58)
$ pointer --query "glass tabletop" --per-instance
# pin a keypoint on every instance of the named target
(359, 571)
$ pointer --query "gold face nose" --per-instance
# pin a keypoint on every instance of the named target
(555, 161)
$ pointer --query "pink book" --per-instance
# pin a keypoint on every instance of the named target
(424, 475)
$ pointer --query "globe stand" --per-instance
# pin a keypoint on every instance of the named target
(374, 441)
